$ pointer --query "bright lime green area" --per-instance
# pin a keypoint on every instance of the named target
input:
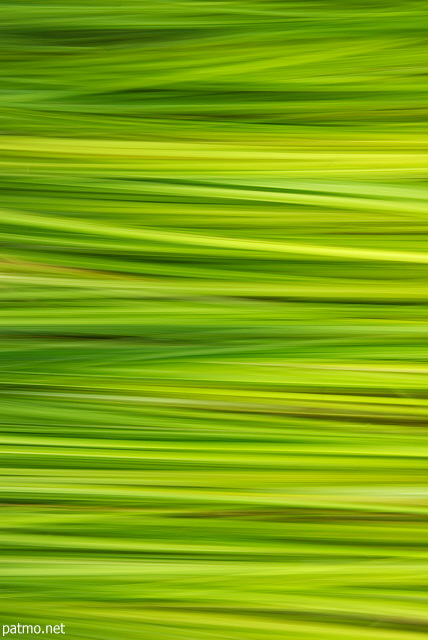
(215, 349)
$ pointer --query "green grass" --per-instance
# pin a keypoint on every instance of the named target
(215, 348)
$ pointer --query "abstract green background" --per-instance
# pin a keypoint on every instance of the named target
(215, 348)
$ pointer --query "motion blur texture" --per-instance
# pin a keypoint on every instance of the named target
(215, 218)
